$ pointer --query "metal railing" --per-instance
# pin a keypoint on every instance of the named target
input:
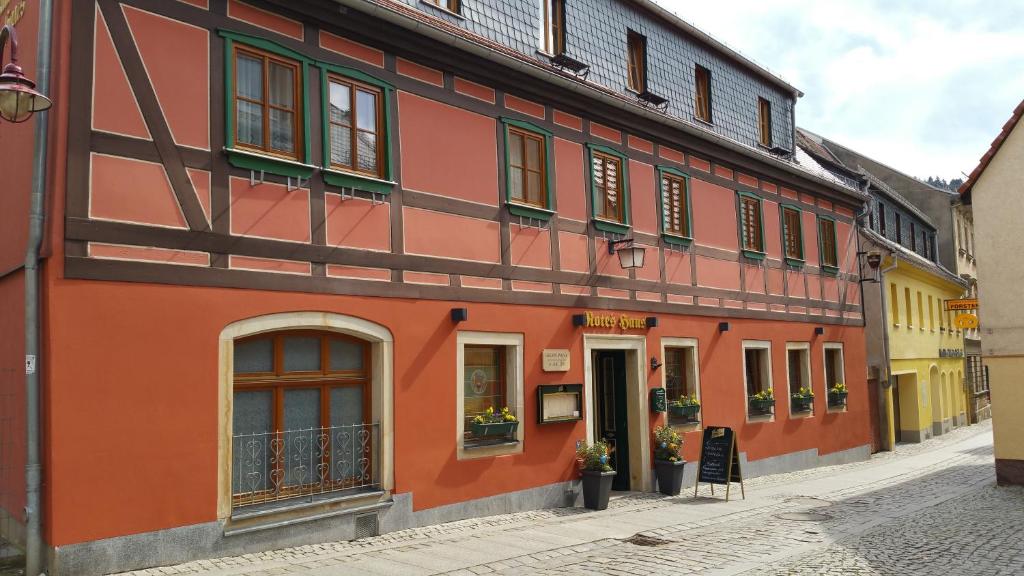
(272, 466)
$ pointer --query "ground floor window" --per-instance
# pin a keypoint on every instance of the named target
(757, 375)
(681, 382)
(798, 373)
(301, 416)
(835, 376)
(490, 390)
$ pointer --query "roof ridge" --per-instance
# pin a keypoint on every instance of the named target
(993, 149)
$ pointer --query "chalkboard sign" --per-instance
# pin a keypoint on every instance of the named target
(719, 460)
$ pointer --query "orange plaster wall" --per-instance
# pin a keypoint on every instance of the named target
(527, 107)
(570, 187)
(269, 265)
(754, 279)
(464, 238)
(177, 59)
(269, 211)
(351, 49)
(776, 281)
(468, 169)
(810, 230)
(530, 246)
(846, 247)
(772, 230)
(652, 264)
(715, 273)
(358, 223)
(264, 19)
(714, 215)
(830, 290)
(201, 182)
(129, 190)
(677, 268)
(12, 391)
(148, 254)
(572, 252)
(472, 89)
(114, 107)
(644, 205)
(607, 264)
(568, 120)
(795, 282)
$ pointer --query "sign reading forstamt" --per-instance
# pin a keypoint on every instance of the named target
(719, 461)
(962, 304)
(621, 321)
(555, 360)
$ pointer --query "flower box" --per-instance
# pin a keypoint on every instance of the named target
(837, 399)
(493, 429)
(802, 403)
(759, 407)
(686, 411)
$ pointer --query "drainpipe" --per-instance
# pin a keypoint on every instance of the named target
(885, 331)
(33, 471)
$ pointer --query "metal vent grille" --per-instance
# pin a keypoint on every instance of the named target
(366, 526)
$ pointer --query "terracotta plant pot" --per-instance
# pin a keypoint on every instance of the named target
(597, 487)
(670, 476)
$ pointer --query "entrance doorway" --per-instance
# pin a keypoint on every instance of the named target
(896, 408)
(611, 423)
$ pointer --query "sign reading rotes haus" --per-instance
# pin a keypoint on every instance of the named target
(620, 321)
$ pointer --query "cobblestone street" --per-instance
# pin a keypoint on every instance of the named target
(930, 508)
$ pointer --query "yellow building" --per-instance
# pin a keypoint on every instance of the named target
(995, 191)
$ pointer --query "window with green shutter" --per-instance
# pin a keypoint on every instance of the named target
(792, 234)
(751, 226)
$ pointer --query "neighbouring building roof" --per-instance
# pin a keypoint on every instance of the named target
(993, 149)
(898, 198)
(913, 257)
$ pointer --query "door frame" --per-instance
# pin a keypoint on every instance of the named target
(637, 415)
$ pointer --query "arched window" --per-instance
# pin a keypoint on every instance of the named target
(301, 415)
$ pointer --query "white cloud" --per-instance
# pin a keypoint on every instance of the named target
(923, 86)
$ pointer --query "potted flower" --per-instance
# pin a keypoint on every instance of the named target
(837, 395)
(687, 406)
(597, 474)
(762, 402)
(494, 424)
(802, 400)
(668, 464)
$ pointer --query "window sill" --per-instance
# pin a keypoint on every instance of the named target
(497, 447)
(442, 10)
(609, 226)
(754, 254)
(527, 211)
(685, 426)
(795, 262)
(358, 181)
(707, 123)
(829, 270)
(760, 418)
(265, 163)
(676, 240)
(801, 415)
(298, 511)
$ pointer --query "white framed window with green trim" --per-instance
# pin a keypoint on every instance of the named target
(529, 169)
(751, 225)
(674, 199)
(791, 220)
(828, 249)
(609, 189)
(356, 129)
(266, 106)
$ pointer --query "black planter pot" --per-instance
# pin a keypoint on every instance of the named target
(597, 486)
(837, 399)
(670, 476)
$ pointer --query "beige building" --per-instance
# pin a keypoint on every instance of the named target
(995, 193)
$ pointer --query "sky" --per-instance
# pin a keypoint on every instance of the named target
(921, 85)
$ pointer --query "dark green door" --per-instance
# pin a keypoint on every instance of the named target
(610, 389)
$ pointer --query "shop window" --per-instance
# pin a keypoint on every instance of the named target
(835, 371)
(637, 61)
(702, 89)
(792, 234)
(356, 121)
(301, 416)
(267, 102)
(798, 374)
(764, 116)
(609, 180)
(490, 393)
(682, 385)
(751, 226)
(757, 376)
(529, 178)
(827, 243)
(675, 203)
(554, 26)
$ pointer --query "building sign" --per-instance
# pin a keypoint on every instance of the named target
(966, 321)
(621, 321)
(555, 360)
(559, 403)
(962, 304)
(951, 353)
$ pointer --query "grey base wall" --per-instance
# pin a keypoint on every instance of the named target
(199, 541)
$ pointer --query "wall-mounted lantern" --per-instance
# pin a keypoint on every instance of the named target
(19, 99)
(654, 363)
(630, 255)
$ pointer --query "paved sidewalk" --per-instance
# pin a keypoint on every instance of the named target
(929, 508)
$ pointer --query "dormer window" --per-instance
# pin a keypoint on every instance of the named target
(764, 118)
(554, 26)
(453, 6)
(637, 61)
(702, 83)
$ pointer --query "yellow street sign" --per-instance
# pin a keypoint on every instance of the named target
(962, 304)
(966, 321)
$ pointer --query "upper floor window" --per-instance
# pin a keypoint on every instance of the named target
(827, 236)
(608, 195)
(702, 83)
(674, 198)
(764, 117)
(453, 6)
(792, 233)
(899, 229)
(527, 167)
(751, 232)
(913, 237)
(637, 61)
(355, 126)
(881, 218)
(267, 99)
(554, 26)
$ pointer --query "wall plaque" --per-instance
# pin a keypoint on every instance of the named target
(555, 360)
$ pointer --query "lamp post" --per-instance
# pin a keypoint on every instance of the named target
(19, 99)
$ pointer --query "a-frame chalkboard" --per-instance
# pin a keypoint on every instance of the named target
(719, 460)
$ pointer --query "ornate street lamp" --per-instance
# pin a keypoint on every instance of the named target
(19, 99)
(630, 255)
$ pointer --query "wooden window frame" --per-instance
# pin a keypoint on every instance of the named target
(545, 195)
(796, 258)
(512, 373)
(913, 237)
(829, 258)
(636, 61)
(702, 94)
(601, 190)
(453, 6)
(553, 18)
(763, 377)
(687, 348)
(298, 137)
(899, 229)
(881, 219)
(379, 125)
(666, 176)
(836, 347)
(805, 379)
(755, 250)
(764, 117)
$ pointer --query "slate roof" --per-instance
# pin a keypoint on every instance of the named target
(993, 149)
(913, 257)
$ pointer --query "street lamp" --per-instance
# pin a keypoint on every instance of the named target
(19, 99)
(630, 255)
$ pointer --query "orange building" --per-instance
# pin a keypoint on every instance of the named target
(292, 254)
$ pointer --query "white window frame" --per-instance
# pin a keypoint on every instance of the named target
(804, 347)
(824, 370)
(513, 379)
(690, 343)
(758, 345)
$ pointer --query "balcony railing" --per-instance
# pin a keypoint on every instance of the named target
(272, 466)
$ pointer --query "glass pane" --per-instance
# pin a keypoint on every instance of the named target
(534, 193)
(351, 443)
(796, 371)
(346, 405)
(515, 149)
(282, 85)
(250, 455)
(341, 145)
(516, 181)
(346, 355)
(302, 443)
(250, 123)
(483, 380)
(249, 73)
(533, 153)
(302, 354)
(341, 104)
(366, 110)
(254, 356)
(282, 130)
(674, 388)
(367, 151)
